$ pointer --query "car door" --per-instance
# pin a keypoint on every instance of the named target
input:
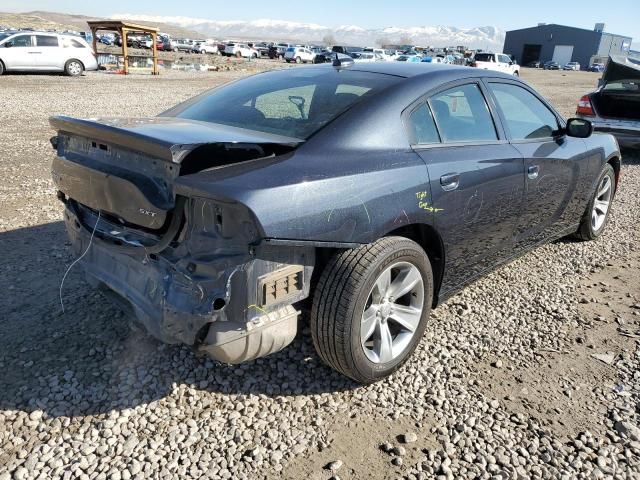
(51, 56)
(556, 165)
(476, 179)
(19, 53)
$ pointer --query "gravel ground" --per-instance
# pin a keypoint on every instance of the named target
(504, 385)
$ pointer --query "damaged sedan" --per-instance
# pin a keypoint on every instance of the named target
(366, 194)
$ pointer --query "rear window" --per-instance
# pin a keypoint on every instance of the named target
(291, 103)
(484, 57)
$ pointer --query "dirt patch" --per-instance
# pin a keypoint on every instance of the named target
(357, 443)
(564, 391)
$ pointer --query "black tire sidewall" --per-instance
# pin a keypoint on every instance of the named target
(593, 234)
(414, 255)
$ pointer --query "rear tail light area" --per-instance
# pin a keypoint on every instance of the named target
(585, 107)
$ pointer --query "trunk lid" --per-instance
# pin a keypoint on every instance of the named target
(127, 167)
(619, 94)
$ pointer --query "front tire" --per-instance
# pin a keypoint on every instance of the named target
(1, 67)
(371, 306)
(73, 68)
(596, 216)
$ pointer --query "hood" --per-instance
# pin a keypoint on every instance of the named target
(621, 68)
(168, 138)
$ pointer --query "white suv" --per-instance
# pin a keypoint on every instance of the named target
(45, 52)
(240, 50)
(498, 62)
(299, 55)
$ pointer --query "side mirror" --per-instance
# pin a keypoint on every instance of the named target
(510, 63)
(8, 44)
(579, 128)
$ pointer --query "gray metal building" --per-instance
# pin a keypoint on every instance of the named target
(564, 44)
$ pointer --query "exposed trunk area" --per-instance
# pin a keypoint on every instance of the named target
(622, 105)
(127, 169)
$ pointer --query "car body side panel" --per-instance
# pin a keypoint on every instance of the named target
(477, 219)
(304, 199)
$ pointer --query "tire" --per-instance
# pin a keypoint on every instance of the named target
(73, 68)
(238, 54)
(298, 60)
(516, 73)
(590, 227)
(1, 67)
(254, 56)
(345, 290)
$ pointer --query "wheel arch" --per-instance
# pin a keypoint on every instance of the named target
(615, 162)
(424, 235)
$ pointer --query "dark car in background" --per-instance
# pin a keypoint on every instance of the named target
(346, 50)
(551, 65)
(596, 67)
(615, 106)
(213, 222)
(535, 64)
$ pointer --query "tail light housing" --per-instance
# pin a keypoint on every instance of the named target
(585, 107)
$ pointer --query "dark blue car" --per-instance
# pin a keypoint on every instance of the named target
(371, 193)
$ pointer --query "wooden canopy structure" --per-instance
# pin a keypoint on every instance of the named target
(125, 28)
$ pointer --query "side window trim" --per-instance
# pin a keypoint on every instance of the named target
(413, 140)
(497, 120)
(486, 83)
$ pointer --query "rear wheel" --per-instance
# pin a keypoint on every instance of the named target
(596, 215)
(73, 68)
(1, 67)
(516, 73)
(371, 306)
(298, 60)
(238, 54)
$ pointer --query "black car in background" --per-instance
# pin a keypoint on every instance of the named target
(551, 65)
(346, 50)
(374, 191)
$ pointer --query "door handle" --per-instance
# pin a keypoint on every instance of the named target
(532, 172)
(450, 181)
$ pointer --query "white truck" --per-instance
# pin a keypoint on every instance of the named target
(498, 62)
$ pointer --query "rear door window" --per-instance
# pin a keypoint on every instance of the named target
(46, 41)
(462, 115)
(525, 115)
(422, 127)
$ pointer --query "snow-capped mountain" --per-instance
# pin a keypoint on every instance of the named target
(268, 29)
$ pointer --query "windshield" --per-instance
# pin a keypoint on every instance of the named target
(290, 103)
(623, 86)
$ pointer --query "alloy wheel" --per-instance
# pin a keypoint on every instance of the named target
(392, 312)
(601, 203)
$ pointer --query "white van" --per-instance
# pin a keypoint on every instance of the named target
(45, 52)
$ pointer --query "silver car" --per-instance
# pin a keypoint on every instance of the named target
(45, 52)
(615, 106)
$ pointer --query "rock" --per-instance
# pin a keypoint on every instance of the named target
(410, 437)
(607, 358)
(497, 364)
(397, 461)
(334, 466)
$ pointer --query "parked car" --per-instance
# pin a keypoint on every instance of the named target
(572, 66)
(596, 67)
(207, 48)
(322, 55)
(214, 220)
(262, 48)
(182, 45)
(45, 52)
(240, 50)
(165, 44)
(498, 62)
(409, 58)
(345, 50)
(366, 57)
(551, 65)
(380, 53)
(277, 51)
(298, 55)
(535, 64)
(615, 106)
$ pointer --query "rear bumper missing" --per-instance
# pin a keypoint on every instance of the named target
(233, 307)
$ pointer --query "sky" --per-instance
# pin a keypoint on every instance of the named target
(621, 17)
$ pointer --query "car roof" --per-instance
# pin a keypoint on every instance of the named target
(408, 70)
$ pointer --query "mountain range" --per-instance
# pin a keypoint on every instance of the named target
(488, 38)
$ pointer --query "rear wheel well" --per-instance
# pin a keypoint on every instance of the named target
(424, 235)
(615, 163)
